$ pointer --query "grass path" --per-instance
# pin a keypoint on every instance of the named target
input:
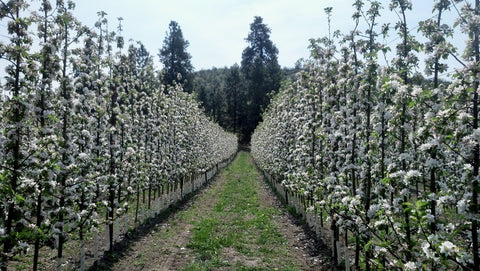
(233, 224)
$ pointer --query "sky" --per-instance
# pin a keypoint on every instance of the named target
(216, 29)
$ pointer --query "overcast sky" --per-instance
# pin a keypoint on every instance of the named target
(216, 29)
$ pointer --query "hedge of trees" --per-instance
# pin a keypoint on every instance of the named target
(85, 128)
(392, 165)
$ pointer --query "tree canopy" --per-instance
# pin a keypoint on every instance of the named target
(261, 70)
(175, 58)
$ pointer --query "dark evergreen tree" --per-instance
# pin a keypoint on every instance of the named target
(262, 72)
(142, 57)
(210, 89)
(147, 80)
(176, 59)
(233, 91)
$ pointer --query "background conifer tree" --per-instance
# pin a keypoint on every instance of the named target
(261, 70)
(175, 58)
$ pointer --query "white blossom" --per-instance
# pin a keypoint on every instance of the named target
(429, 253)
(410, 266)
(448, 248)
(476, 134)
(462, 206)
(412, 174)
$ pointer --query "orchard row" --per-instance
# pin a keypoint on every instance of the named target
(86, 127)
(390, 162)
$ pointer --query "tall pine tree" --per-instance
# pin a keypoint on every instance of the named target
(175, 58)
(261, 70)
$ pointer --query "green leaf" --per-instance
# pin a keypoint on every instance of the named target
(411, 104)
(386, 180)
(368, 246)
(19, 198)
(420, 204)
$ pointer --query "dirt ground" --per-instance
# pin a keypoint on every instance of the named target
(163, 244)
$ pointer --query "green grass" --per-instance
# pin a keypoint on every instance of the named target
(240, 221)
(140, 260)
